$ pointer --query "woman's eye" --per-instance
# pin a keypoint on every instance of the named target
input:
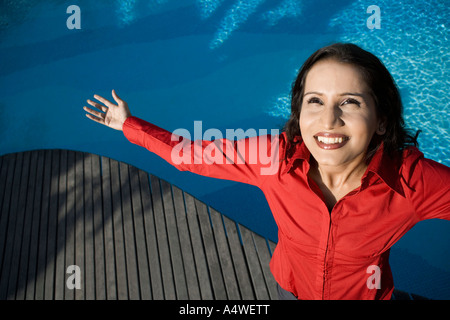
(315, 101)
(351, 101)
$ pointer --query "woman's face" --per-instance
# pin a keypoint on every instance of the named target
(338, 117)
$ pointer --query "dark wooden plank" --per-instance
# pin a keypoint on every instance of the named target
(186, 245)
(163, 242)
(81, 204)
(85, 221)
(25, 257)
(43, 226)
(128, 233)
(157, 290)
(141, 249)
(71, 227)
(206, 289)
(6, 176)
(93, 192)
(256, 272)
(225, 258)
(111, 286)
(211, 252)
(52, 227)
(239, 261)
(121, 271)
(32, 276)
(14, 235)
(264, 259)
(60, 270)
(174, 242)
(272, 246)
(18, 238)
(10, 165)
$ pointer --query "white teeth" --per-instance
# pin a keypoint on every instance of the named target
(329, 140)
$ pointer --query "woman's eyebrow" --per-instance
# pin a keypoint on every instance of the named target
(313, 92)
(342, 94)
(362, 95)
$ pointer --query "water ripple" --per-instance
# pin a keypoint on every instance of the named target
(413, 44)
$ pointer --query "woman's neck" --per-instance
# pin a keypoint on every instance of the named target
(337, 181)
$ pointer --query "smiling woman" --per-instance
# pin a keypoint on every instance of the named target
(376, 88)
(337, 126)
(345, 105)
(351, 183)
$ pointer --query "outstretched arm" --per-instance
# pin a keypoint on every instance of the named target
(245, 160)
(110, 115)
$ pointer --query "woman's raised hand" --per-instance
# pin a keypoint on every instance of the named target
(111, 115)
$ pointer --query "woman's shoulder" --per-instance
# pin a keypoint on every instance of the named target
(415, 166)
(411, 155)
(426, 183)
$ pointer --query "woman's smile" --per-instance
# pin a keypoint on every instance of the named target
(330, 141)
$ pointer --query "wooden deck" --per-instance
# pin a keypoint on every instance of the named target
(133, 235)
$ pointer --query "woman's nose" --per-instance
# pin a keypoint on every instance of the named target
(331, 117)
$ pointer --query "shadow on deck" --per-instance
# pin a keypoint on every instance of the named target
(132, 235)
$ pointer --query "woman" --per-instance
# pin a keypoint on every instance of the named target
(350, 181)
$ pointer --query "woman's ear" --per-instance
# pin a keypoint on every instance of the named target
(381, 130)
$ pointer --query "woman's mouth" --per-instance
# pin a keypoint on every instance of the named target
(330, 141)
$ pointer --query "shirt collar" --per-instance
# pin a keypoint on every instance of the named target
(301, 153)
(386, 168)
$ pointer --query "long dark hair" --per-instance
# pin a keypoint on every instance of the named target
(383, 90)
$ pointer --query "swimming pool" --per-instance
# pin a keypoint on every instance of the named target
(228, 64)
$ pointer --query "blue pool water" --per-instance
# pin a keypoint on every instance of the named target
(229, 64)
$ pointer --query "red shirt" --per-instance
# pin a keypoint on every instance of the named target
(321, 255)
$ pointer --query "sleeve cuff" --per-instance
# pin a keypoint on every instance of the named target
(145, 134)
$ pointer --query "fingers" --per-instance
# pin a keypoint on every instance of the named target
(107, 114)
(116, 97)
(95, 115)
(104, 101)
(94, 112)
(95, 119)
(97, 105)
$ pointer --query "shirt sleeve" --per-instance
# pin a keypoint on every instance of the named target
(249, 160)
(430, 184)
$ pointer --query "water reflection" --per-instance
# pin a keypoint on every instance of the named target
(413, 44)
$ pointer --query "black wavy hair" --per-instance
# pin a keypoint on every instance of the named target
(384, 91)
